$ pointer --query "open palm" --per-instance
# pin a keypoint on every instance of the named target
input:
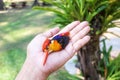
(78, 38)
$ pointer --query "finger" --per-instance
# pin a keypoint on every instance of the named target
(51, 32)
(70, 26)
(78, 28)
(80, 34)
(70, 50)
(80, 43)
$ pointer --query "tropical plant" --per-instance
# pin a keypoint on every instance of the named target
(114, 69)
(105, 60)
(99, 13)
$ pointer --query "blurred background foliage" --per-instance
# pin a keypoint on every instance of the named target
(18, 25)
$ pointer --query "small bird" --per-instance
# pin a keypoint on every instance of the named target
(55, 44)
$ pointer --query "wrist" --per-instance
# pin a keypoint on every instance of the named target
(30, 71)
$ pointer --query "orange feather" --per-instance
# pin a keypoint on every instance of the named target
(54, 46)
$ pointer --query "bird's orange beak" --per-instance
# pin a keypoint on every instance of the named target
(44, 48)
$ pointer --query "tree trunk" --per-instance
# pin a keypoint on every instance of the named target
(1, 5)
(89, 57)
(36, 3)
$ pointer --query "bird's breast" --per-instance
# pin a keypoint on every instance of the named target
(54, 46)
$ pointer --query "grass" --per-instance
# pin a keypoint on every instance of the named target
(17, 28)
(17, 25)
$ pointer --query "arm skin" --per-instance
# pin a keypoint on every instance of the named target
(30, 71)
(33, 68)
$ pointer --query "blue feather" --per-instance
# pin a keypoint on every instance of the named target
(63, 40)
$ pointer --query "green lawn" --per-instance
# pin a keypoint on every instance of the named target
(17, 28)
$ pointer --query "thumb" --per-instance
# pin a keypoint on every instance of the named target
(51, 32)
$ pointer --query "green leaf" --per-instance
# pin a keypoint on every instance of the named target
(48, 9)
(98, 32)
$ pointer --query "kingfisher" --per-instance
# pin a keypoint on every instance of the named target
(55, 44)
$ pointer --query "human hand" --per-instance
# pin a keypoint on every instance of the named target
(35, 55)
